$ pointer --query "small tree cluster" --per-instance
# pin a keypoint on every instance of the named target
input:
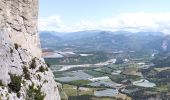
(35, 93)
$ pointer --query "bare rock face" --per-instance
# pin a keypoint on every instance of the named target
(19, 20)
(23, 73)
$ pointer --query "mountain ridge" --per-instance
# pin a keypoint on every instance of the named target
(105, 40)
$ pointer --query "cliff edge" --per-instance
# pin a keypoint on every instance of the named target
(23, 73)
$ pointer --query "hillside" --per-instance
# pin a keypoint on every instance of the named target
(162, 60)
(103, 41)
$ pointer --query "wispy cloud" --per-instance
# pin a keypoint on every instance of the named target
(126, 21)
(51, 23)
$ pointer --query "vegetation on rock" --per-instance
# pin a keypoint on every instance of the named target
(26, 73)
(15, 84)
(33, 64)
(35, 93)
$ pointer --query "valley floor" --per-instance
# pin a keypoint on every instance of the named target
(134, 78)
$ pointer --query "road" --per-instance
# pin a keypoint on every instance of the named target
(67, 67)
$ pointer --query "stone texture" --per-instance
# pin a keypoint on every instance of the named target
(19, 20)
(19, 46)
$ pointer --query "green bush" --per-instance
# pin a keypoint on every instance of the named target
(41, 69)
(16, 46)
(33, 64)
(26, 73)
(15, 84)
(35, 93)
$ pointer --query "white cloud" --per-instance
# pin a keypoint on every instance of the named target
(140, 22)
(126, 21)
(51, 23)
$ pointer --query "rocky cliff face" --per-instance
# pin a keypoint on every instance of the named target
(23, 73)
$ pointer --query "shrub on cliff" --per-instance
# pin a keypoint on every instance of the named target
(26, 73)
(33, 63)
(35, 93)
(15, 84)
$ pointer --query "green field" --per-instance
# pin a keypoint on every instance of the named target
(94, 58)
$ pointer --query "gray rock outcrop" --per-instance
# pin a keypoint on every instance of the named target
(23, 73)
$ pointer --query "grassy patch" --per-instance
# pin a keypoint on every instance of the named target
(62, 93)
(92, 59)
(70, 90)
(161, 69)
(163, 88)
(120, 78)
(94, 73)
(80, 82)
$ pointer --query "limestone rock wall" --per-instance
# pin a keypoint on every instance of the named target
(18, 19)
(21, 67)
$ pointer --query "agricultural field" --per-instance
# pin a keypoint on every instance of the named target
(109, 79)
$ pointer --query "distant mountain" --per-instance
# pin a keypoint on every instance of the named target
(49, 36)
(49, 39)
(97, 40)
(162, 59)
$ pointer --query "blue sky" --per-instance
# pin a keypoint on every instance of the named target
(90, 14)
